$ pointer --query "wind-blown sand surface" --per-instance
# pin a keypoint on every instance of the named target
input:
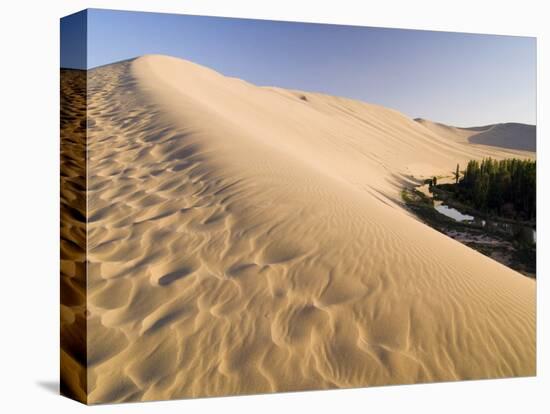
(246, 239)
(73, 234)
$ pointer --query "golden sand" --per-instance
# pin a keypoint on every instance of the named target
(245, 239)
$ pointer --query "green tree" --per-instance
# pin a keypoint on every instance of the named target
(506, 187)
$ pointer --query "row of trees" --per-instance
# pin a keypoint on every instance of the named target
(506, 188)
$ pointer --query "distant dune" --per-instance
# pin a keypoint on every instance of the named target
(509, 135)
(246, 239)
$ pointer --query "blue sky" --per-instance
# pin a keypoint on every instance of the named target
(455, 78)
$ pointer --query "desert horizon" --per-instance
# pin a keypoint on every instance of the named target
(245, 239)
(430, 123)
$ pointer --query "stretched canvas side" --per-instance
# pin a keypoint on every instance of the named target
(73, 325)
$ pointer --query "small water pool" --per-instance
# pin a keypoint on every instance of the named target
(452, 212)
(520, 232)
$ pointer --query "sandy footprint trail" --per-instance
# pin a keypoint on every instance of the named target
(245, 239)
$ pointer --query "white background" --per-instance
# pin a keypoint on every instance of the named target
(29, 247)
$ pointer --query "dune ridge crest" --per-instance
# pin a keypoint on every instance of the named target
(245, 239)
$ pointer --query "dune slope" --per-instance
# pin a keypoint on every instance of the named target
(73, 234)
(511, 135)
(245, 239)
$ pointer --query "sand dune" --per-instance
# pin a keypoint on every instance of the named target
(510, 135)
(73, 234)
(245, 239)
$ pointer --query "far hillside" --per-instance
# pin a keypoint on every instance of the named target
(509, 135)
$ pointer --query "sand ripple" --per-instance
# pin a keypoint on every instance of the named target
(244, 240)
